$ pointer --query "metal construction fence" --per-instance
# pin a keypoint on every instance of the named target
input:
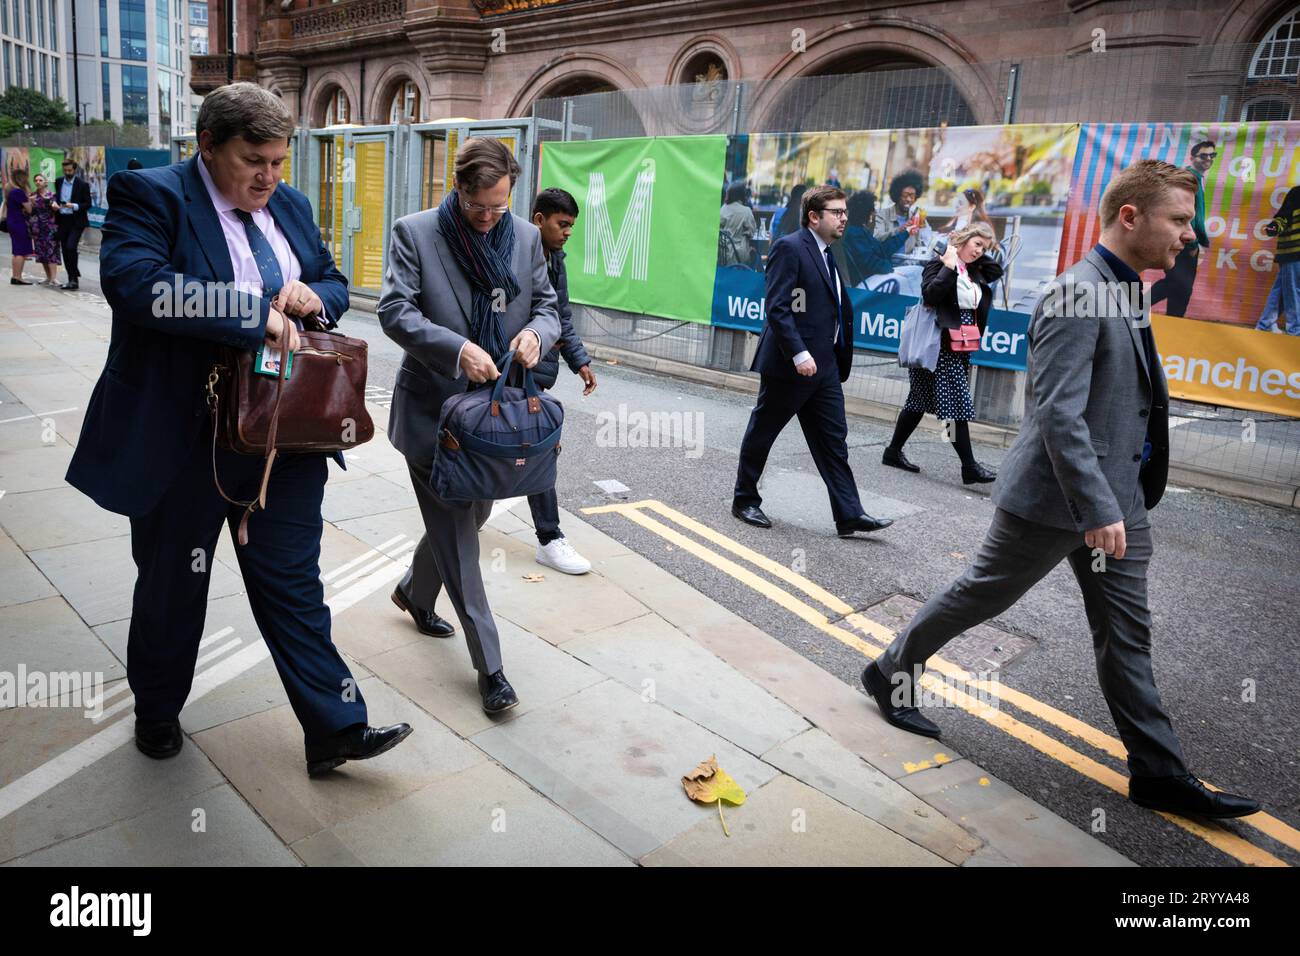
(1165, 84)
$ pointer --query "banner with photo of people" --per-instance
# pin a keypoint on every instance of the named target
(1218, 313)
(1239, 280)
(1015, 178)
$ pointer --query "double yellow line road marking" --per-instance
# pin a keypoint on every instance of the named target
(878, 636)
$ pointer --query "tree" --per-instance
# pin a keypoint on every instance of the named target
(35, 111)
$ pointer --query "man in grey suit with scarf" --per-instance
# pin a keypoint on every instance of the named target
(466, 282)
(1091, 458)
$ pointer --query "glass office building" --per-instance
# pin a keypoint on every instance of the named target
(133, 62)
(33, 48)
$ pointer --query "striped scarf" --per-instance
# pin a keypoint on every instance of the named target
(485, 262)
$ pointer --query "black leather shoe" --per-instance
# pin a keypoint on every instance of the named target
(497, 693)
(356, 743)
(19, 282)
(70, 286)
(905, 718)
(977, 474)
(159, 739)
(751, 514)
(1187, 796)
(895, 458)
(426, 622)
(845, 529)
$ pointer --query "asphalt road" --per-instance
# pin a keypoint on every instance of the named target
(1224, 606)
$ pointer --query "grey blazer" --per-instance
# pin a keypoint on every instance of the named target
(1089, 398)
(424, 306)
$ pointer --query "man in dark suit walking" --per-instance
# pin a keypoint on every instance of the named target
(221, 230)
(804, 354)
(1091, 458)
(73, 193)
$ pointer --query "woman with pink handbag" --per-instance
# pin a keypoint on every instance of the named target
(957, 285)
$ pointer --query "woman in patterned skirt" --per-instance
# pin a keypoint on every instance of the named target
(45, 206)
(958, 287)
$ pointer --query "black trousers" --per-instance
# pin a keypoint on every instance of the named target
(545, 507)
(69, 239)
(818, 401)
(173, 546)
(1176, 286)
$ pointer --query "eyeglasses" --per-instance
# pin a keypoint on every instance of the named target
(473, 207)
(837, 213)
(1206, 155)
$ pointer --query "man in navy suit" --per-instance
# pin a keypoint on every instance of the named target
(209, 252)
(804, 354)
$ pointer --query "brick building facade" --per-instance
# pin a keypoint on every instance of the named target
(375, 61)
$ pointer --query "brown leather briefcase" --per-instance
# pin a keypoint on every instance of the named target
(321, 406)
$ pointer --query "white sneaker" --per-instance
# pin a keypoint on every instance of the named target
(559, 554)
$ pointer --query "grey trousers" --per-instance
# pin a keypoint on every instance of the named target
(447, 556)
(1015, 556)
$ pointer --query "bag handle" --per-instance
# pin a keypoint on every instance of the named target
(258, 503)
(530, 385)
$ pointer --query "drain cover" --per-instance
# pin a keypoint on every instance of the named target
(982, 648)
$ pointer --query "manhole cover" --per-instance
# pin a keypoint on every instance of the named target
(983, 648)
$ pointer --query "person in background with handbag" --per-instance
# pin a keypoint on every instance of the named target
(224, 227)
(554, 213)
(466, 282)
(45, 207)
(957, 285)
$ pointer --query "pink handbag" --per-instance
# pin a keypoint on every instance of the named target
(964, 338)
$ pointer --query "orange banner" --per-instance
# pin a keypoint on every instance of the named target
(1225, 365)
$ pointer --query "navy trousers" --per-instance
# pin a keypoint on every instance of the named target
(818, 400)
(173, 547)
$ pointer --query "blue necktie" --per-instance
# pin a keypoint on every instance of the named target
(267, 264)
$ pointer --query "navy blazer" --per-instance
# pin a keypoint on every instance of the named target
(794, 262)
(148, 407)
(570, 344)
(81, 196)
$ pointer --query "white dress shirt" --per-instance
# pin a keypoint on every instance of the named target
(247, 277)
(835, 284)
(968, 293)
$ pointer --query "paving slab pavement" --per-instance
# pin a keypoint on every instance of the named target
(628, 678)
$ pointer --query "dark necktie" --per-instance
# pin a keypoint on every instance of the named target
(835, 288)
(267, 264)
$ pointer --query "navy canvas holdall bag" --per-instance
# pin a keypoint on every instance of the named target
(496, 443)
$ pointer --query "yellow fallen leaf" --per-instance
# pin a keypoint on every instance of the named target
(709, 783)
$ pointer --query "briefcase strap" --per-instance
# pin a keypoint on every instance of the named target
(214, 402)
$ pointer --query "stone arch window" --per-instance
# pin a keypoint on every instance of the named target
(337, 108)
(1266, 109)
(1278, 55)
(405, 105)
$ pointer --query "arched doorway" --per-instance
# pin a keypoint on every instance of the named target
(870, 89)
(597, 105)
